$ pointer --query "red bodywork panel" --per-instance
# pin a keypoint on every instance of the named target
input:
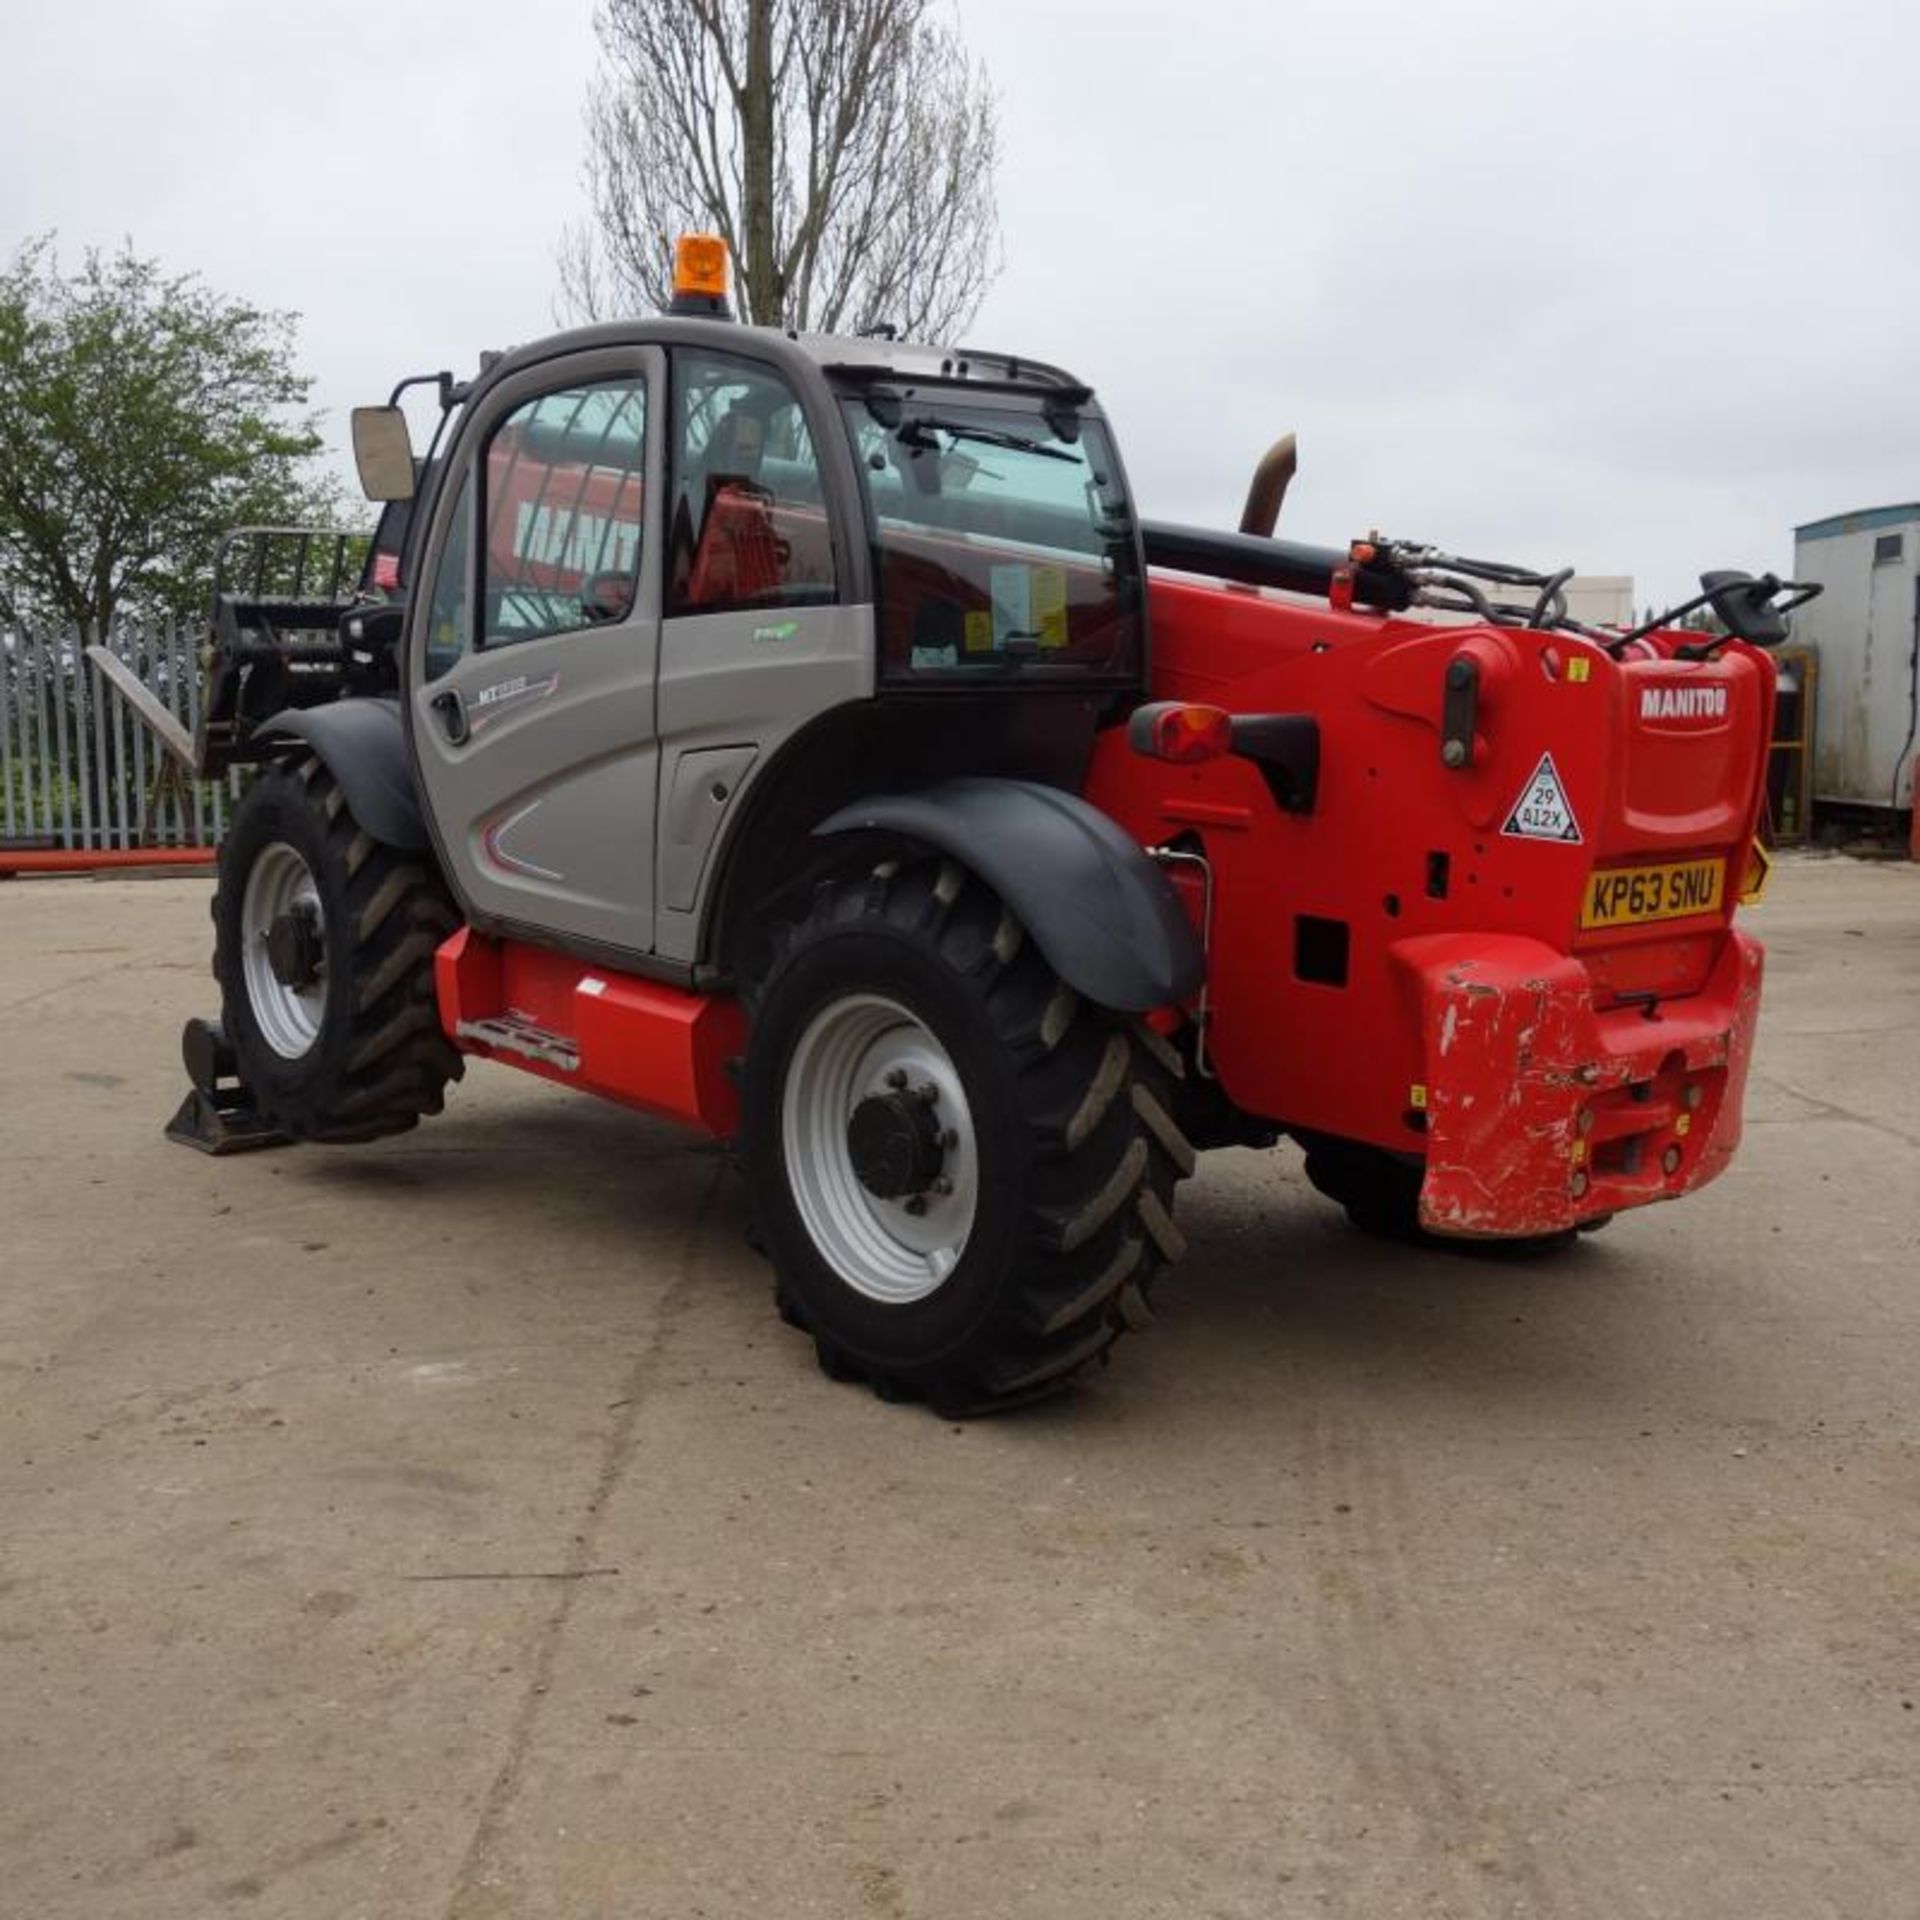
(1443, 1000)
(635, 1041)
(1396, 965)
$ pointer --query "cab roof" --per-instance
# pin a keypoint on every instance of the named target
(853, 358)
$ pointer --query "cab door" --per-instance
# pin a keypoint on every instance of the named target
(534, 649)
(759, 637)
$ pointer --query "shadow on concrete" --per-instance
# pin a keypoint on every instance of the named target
(1278, 1295)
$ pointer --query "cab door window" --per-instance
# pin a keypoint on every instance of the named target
(749, 519)
(449, 613)
(564, 474)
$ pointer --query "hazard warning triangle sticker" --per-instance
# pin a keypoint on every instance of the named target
(1543, 811)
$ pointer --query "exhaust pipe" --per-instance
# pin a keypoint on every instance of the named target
(1268, 490)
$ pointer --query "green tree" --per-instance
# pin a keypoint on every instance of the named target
(141, 415)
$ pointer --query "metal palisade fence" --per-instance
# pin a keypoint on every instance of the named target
(79, 771)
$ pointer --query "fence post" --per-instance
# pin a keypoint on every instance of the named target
(60, 768)
(82, 686)
(8, 651)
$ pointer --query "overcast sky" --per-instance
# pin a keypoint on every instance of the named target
(1633, 286)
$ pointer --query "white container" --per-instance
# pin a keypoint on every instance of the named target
(1865, 628)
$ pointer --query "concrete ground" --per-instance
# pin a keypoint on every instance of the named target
(447, 1527)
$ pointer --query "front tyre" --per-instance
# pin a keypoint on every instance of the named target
(963, 1173)
(323, 948)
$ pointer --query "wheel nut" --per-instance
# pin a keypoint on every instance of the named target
(926, 1092)
(897, 1079)
(917, 1205)
(940, 1185)
(1670, 1160)
(949, 1139)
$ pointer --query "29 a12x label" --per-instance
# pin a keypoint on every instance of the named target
(1543, 811)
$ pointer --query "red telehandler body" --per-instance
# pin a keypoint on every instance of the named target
(1548, 1022)
(805, 740)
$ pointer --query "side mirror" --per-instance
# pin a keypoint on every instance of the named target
(1746, 606)
(383, 453)
(374, 629)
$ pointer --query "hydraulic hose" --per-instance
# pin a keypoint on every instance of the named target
(1255, 562)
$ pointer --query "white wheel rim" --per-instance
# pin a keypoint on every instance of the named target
(288, 1017)
(893, 1251)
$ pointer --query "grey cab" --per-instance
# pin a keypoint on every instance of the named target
(680, 591)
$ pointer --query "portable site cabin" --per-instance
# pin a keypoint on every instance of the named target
(1865, 631)
(1601, 599)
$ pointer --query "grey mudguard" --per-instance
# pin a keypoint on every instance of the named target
(1098, 908)
(365, 748)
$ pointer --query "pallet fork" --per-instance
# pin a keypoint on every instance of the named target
(218, 1116)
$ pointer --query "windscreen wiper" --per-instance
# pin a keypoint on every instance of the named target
(912, 431)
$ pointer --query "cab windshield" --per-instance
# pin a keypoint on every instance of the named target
(1003, 539)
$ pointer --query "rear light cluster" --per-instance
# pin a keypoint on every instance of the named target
(1180, 732)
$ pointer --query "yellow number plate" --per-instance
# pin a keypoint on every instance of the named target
(1630, 896)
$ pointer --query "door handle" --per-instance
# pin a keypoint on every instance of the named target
(453, 715)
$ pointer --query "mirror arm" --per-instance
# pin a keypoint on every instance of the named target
(450, 389)
(1619, 645)
(1798, 593)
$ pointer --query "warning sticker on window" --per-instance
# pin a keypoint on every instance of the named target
(1012, 602)
(1543, 811)
(1029, 606)
(1050, 605)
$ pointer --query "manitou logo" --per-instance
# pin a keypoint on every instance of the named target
(1707, 702)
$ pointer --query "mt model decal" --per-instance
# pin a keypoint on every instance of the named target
(489, 703)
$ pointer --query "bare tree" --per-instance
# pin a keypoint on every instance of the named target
(844, 150)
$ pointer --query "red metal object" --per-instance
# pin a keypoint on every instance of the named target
(635, 1041)
(1402, 963)
(1399, 966)
(54, 861)
(1541, 1110)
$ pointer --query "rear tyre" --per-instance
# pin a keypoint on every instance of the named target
(962, 1172)
(1381, 1195)
(323, 948)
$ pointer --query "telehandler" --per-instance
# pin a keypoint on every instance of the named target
(804, 739)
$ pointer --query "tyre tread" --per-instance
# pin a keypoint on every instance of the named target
(392, 1062)
(1095, 1089)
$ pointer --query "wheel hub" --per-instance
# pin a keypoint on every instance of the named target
(295, 947)
(283, 949)
(895, 1142)
(881, 1151)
